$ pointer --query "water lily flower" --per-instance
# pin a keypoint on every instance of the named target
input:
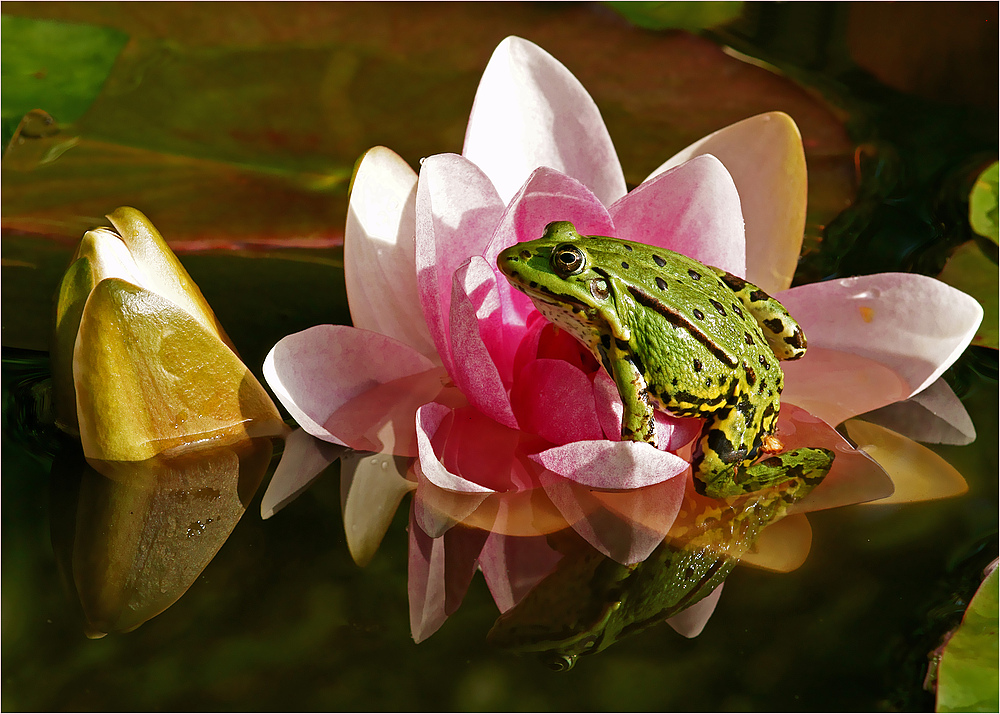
(176, 431)
(450, 368)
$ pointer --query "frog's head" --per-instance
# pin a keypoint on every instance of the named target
(565, 281)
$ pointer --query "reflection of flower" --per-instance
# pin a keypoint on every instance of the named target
(448, 364)
(141, 366)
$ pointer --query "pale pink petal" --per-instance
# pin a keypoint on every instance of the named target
(316, 372)
(530, 111)
(439, 573)
(473, 368)
(512, 566)
(693, 209)
(614, 465)
(764, 156)
(854, 478)
(692, 621)
(835, 385)
(379, 268)
(671, 432)
(457, 212)
(302, 461)
(371, 488)
(624, 525)
(934, 416)
(915, 325)
(546, 196)
(432, 419)
(917, 472)
(554, 399)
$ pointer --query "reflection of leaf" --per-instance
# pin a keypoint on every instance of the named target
(691, 16)
(967, 676)
(55, 66)
(983, 209)
(972, 272)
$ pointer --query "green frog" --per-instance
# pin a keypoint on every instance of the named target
(675, 335)
(590, 601)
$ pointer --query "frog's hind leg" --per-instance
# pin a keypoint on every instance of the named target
(719, 478)
(782, 332)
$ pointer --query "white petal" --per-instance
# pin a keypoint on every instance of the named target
(530, 111)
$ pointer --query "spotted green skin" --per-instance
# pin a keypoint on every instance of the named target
(589, 601)
(675, 335)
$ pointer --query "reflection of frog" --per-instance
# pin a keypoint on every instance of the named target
(675, 335)
(590, 601)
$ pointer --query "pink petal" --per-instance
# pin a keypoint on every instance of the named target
(302, 461)
(624, 525)
(917, 473)
(934, 415)
(474, 319)
(371, 489)
(690, 622)
(835, 386)
(530, 111)
(435, 422)
(512, 566)
(439, 573)
(324, 374)
(554, 399)
(379, 268)
(764, 156)
(457, 211)
(915, 325)
(617, 465)
(693, 209)
(546, 196)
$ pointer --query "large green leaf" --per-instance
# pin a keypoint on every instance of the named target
(971, 271)
(967, 676)
(983, 209)
(55, 66)
(691, 16)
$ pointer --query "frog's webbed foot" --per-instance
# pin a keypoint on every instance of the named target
(782, 332)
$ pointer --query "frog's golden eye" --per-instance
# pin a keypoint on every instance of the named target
(567, 260)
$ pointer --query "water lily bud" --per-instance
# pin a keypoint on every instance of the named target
(141, 366)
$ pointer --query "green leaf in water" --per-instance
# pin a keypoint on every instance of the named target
(972, 272)
(983, 209)
(692, 16)
(56, 66)
(967, 677)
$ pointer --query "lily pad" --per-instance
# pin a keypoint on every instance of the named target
(972, 272)
(967, 676)
(691, 16)
(983, 209)
(56, 66)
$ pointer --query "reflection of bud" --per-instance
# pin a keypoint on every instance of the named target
(140, 364)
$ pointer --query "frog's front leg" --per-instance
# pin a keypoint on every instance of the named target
(638, 423)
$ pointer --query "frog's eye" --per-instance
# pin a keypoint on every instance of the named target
(559, 662)
(567, 260)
